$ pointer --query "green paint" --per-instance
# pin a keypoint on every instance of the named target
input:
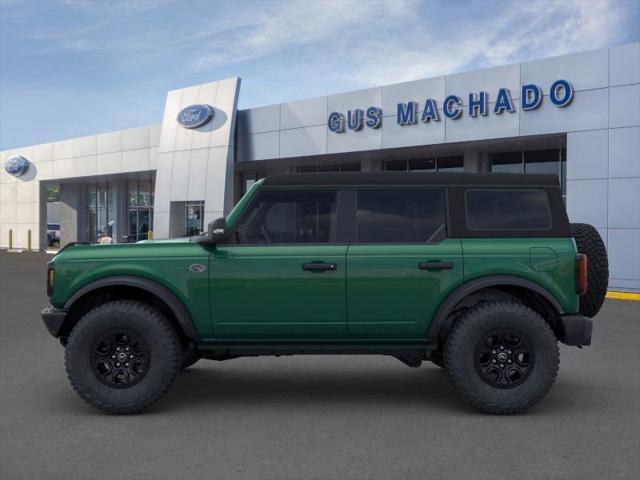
(376, 296)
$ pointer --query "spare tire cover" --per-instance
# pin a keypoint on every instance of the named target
(588, 241)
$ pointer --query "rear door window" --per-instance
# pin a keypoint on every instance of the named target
(505, 210)
(400, 215)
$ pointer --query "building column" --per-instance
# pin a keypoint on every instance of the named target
(177, 219)
(43, 241)
(72, 212)
(477, 162)
(370, 165)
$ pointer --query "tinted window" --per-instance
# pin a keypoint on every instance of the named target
(399, 216)
(507, 162)
(451, 164)
(277, 217)
(542, 161)
(507, 210)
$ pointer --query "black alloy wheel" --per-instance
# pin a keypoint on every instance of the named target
(504, 359)
(120, 358)
(501, 356)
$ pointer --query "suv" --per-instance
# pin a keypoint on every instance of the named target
(481, 274)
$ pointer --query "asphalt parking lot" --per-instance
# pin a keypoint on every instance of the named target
(311, 417)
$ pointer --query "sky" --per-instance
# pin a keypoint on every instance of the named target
(79, 67)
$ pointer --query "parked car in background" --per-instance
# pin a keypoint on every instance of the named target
(53, 234)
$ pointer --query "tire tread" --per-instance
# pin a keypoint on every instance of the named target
(164, 328)
(453, 356)
(588, 241)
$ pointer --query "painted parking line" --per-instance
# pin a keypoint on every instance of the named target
(624, 296)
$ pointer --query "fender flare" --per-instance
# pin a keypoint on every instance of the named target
(164, 294)
(440, 321)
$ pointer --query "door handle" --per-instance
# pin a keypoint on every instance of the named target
(435, 265)
(319, 267)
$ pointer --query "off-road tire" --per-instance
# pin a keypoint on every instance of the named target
(189, 357)
(436, 359)
(460, 356)
(162, 345)
(588, 241)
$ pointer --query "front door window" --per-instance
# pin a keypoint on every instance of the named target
(280, 217)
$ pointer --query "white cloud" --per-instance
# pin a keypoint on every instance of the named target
(372, 43)
(534, 30)
(384, 41)
(290, 25)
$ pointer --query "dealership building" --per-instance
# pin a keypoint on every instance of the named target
(576, 116)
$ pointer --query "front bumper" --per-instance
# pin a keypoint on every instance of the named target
(53, 319)
(576, 330)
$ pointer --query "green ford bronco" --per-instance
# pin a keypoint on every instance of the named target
(481, 274)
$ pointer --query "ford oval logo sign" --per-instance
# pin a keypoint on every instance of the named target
(195, 116)
(17, 166)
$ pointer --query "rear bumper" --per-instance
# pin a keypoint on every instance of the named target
(577, 330)
(53, 319)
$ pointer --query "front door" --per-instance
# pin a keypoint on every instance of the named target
(401, 264)
(283, 277)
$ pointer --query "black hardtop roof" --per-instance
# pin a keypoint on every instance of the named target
(413, 178)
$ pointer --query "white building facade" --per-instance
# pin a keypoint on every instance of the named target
(577, 116)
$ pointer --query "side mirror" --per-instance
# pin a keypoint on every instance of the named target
(217, 232)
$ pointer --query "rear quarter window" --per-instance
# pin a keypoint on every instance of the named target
(505, 210)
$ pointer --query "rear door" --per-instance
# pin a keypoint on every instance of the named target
(284, 278)
(402, 263)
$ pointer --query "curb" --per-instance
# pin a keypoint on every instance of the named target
(634, 297)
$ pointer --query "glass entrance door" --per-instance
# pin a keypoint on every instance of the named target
(100, 212)
(194, 219)
(140, 209)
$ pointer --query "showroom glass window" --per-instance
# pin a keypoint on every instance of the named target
(399, 215)
(100, 211)
(248, 179)
(140, 209)
(435, 164)
(342, 167)
(552, 161)
(284, 217)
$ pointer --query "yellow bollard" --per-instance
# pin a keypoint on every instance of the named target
(150, 235)
(10, 239)
(29, 240)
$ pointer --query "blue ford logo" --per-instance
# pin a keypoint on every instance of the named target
(195, 116)
(16, 166)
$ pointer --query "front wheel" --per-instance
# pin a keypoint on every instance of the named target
(122, 356)
(189, 357)
(502, 357)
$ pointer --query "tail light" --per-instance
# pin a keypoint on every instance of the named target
(581, 274)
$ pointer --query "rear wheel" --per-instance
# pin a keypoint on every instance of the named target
(122, 356)
(588, 241)
(502, 357)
